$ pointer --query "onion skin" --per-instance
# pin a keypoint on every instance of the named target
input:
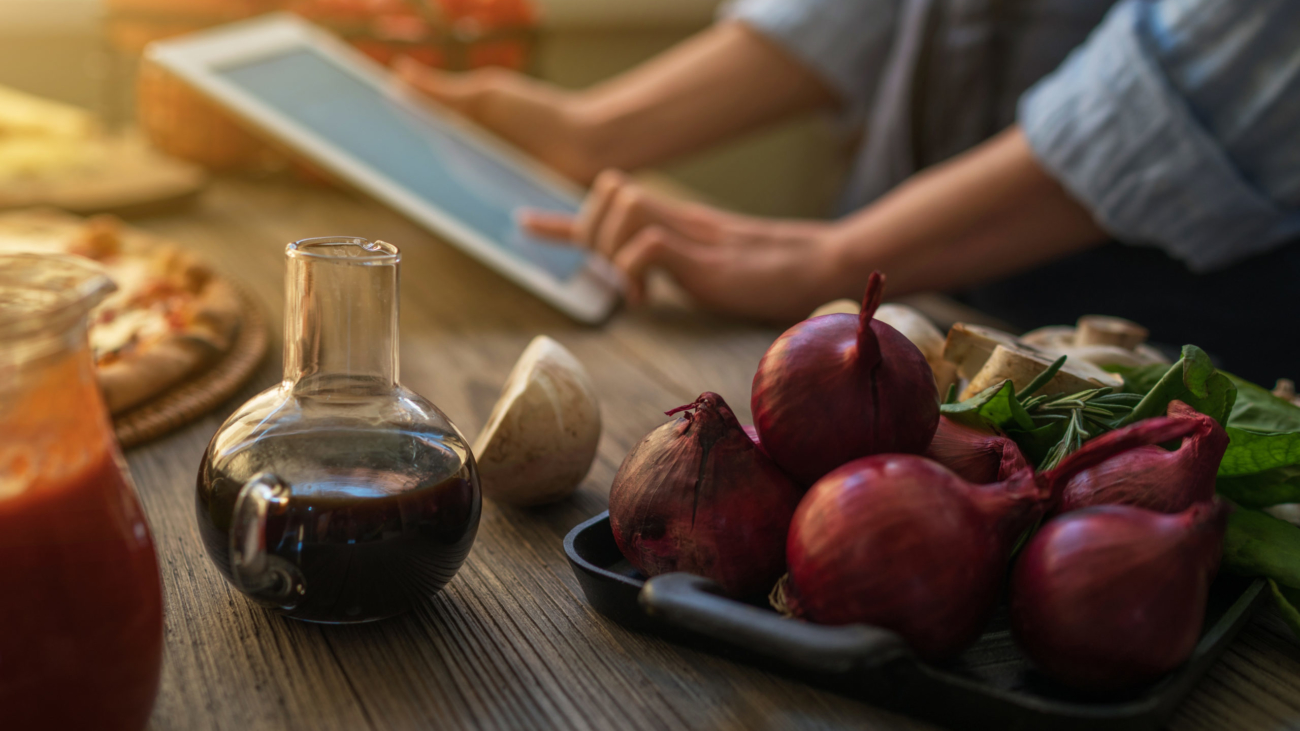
(1153, 477)
(902, 542)
(976, 456)
(752, 433)
(698, 495)
(911, 517)
(1112, 597)
(838, 387)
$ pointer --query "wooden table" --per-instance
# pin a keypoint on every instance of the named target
(510, 643)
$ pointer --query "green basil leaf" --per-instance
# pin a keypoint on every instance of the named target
(1192, 380)
(995, 407)
(1140, 379)
(1037, 442)
(1287, 600)
(1256, 409)
(1252, 452)
(1257, 544)
(1262, 489)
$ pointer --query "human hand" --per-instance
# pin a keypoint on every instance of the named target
(543, 120)
(741, 265)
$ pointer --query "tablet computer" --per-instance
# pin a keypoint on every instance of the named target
(323, 99)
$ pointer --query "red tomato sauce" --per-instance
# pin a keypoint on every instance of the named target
(81, 620)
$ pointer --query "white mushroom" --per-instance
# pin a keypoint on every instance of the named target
(1100, 340)
(541, 438)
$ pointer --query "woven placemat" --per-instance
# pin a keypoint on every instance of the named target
(199, 395)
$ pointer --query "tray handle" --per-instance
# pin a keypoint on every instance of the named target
(694, 603)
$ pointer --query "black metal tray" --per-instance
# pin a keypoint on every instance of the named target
(991, 685)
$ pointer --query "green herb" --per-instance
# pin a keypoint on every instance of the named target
(1046, 427)
(1075, 435)
(1258, 410)
(1262, 489)
(1287, 600)
(1261, 469)
(992, 409)
(1192, 380)
(1257, 544)
(1035, 444)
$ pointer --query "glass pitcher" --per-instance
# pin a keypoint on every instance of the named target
(338, 495)
(81, 612)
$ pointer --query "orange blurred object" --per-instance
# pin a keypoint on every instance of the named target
(453, 34)
(181, 123)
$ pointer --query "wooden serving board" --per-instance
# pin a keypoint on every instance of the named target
(126, 178)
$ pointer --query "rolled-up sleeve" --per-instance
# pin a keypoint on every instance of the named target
(845, 42)
(1124, 125)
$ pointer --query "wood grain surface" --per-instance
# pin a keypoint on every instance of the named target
(510, 643)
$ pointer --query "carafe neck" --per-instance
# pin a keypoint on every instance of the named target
(340, 333)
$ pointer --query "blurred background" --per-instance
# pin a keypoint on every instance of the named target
(86, 53)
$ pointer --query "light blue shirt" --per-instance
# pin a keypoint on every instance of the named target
(1177, 124)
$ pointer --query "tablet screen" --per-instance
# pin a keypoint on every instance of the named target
(414, 150)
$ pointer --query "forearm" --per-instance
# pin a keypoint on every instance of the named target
(724, 81)
(989, 213)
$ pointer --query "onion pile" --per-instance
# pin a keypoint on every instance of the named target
(911, 520)
(901, 542)
(838, 387)
(1111, 597)
(698, 495)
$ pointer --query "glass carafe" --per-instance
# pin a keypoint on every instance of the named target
(81, 612)
(338, 495)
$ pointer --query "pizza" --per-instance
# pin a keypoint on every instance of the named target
(170, 316)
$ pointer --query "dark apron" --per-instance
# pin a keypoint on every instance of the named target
(956, 72)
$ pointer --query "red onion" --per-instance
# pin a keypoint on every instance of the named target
(902, 542)
(1112, 597)
(698, 495)
(838, 387)
(976, 456)
(1153, 477)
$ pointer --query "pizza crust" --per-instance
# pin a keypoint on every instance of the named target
(129, 382)
(178, 315)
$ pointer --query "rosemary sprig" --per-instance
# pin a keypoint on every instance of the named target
(1077, 417)
(1076, 433)
(1086, 413)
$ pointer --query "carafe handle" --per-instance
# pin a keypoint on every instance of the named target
(263, 549)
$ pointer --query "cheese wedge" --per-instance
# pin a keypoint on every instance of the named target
(25, 115)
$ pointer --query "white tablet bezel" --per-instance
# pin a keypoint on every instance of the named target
(588, 296)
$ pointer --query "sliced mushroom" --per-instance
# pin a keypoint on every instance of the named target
(970, 346)
(1022, 363)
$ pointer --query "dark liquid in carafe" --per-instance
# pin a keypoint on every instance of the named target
(376, 521)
